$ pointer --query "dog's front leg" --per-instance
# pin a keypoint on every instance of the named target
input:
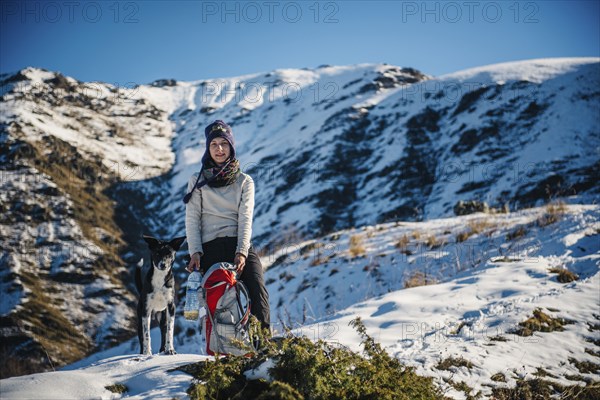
(147, 348)
(169, 349)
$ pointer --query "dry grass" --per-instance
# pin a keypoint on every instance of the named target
(462, 236)
(540, 322)
(479, 225)
(554, 212)
(416, 235)
(454, 362)
(474, 227)
(585, 367)
(433, 242)
(116, 388)
(403, 242)
(564, 275)
(318, 260)
(357, 247)
(418, 278)
(517, 233)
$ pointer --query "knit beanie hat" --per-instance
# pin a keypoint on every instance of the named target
(215, 130)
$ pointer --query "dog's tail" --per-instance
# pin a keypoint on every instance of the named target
(138, 275)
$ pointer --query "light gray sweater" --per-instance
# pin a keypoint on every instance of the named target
(214, 212)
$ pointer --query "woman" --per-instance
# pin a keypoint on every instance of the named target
(218, 217)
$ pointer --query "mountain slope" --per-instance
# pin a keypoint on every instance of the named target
(339, 147)
(464, 329)
(66, 149)
(89, 167)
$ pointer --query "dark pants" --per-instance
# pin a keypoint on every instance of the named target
(222, 249)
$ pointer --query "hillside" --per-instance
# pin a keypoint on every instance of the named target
(462, 313)
(87, 167)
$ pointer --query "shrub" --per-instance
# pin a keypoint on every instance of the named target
(312, 370)
(356, 246)
(470, 207)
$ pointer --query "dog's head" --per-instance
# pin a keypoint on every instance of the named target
(163, 253)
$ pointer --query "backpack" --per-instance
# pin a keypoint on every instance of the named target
(227, 305)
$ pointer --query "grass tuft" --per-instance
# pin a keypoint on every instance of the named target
(418, 278)
(403, 242)
(564, 275)
(357, 247)
(517, 233)
(117, 388)
(538, 388)
(540, 322)
(554, 212)
(449, 362)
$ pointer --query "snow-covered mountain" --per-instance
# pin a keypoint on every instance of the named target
(451, 310)
(333, 151)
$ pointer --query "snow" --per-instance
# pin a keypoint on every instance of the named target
(146, 377)
(460, 316)
(536, 70)
(418, 325)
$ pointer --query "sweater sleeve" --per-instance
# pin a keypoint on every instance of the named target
(193, 213)
(245, 214)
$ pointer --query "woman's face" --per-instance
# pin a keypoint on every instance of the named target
(219, 150)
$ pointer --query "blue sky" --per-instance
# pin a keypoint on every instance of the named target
(139, 41)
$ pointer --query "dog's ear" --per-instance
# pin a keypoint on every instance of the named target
(176, 243)
(152, 241)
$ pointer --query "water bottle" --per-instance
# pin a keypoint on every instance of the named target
(191, 309)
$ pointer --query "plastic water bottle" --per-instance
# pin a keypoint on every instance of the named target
(191, 309)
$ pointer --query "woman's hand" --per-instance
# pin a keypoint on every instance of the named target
(240, 262)
(194, 263)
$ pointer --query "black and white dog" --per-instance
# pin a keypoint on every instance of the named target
(156, 288)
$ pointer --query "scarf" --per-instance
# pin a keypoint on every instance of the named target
(216, 176)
